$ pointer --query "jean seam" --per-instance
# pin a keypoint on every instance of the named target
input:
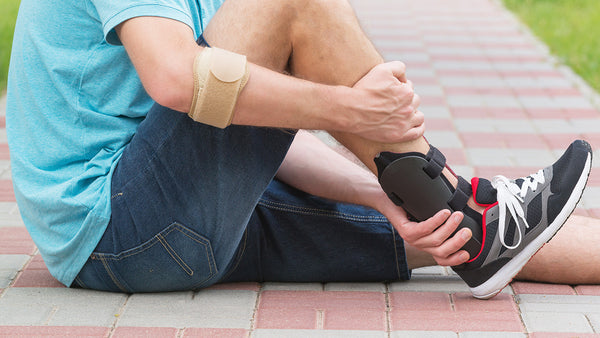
(403, 273)
(112, 275)
(239, 256)
(319, 212)
(174, 255)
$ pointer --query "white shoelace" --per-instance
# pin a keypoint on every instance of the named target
(510, 197)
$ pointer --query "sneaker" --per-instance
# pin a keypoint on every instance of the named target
(520, 216)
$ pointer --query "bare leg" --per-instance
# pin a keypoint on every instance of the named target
(571, 257)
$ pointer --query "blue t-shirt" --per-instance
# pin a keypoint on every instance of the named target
(74, 102)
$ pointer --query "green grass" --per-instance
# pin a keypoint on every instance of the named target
(570, 28)
(9, 9)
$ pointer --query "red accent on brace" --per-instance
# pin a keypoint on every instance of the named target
(474, 185)
(483, 223)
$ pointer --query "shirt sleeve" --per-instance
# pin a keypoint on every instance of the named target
(112, 13)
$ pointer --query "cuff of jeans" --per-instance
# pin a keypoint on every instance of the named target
(404, 273)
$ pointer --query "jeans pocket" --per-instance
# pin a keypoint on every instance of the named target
(175, 259)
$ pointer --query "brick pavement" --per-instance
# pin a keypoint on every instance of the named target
(495, 101)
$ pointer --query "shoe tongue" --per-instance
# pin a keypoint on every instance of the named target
(483, 191)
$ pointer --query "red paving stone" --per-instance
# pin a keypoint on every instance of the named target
(216, 333)
(588, 290)
(34, 278)
(544, 113)
(145, 332)
(54, 331)
(438, 124)
(7, 193)
(434, 312)
(501, 140)
(335, 310)
(16, 241)
(4, 153)
(560, 141)
(562, 335)
(510, 172)
(542, 288)
(455, 156)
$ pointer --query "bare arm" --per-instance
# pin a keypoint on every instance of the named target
(378, 107)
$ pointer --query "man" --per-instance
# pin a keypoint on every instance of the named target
(124, 197)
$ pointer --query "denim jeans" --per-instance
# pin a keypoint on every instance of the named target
(194, 205)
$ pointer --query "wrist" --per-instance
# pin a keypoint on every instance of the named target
(338, 99)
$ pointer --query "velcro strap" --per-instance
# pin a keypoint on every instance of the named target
(461, 195)
(436, 162)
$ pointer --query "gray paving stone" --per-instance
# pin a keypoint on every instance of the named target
(573, 102)
(207, 308)
(463, 170)
(594, 319)
(293, 286)
(430, 270)
(370, 287)
(59, 307)
(435, 111)
(522, 66)
(419, 72)
(423, 334)
(268, 333)
(591, 197)
(479, 125)
(444, 139)
(538, 102)
(2, 104)
(559, 303)
(558, 126)
(492, 335)
(586, 125)
(556, 322)
(9, 215)
(10, 265)
(497, 157)
(429, 90)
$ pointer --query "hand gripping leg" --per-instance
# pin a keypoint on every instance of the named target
(414, 182)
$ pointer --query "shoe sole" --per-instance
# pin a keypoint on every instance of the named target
(505, 275)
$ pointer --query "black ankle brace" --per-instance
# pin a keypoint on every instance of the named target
(414, 182)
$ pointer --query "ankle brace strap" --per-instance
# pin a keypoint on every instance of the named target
(436, 162)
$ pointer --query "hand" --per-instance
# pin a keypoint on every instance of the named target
(386, 107)
(432, 235)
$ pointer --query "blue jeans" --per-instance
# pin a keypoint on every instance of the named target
(194, 205)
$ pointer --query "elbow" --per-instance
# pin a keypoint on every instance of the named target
(171, 88)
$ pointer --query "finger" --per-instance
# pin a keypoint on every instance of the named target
(455, 259)
(414, 232)
(442, 233)
(398, 70)
(453, 244)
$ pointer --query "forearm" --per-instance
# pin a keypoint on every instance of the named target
(313, 167)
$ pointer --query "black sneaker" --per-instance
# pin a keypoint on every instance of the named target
(520, 215)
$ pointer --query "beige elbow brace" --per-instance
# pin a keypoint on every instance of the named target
(219, 77)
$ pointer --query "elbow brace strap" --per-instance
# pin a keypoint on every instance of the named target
(219, 77)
